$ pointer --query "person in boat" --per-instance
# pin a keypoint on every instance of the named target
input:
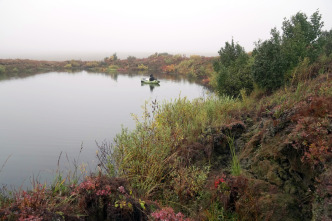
(151, 78)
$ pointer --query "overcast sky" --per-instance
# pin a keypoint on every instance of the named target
(93, 29)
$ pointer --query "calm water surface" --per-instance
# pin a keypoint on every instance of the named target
(46, 114)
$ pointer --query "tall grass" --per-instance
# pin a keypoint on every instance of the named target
(64, 179)
(142, 155)
(148, 157)
(235, 165)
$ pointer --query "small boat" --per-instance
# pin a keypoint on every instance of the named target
(147, 81)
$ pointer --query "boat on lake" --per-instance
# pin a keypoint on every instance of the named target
(147, 81)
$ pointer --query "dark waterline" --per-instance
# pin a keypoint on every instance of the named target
(46, 114)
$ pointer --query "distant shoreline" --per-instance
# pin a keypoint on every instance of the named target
(95, 56)
(194, 66)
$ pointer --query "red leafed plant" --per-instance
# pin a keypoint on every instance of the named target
(311, 132)
(218, 181)
(168, 214)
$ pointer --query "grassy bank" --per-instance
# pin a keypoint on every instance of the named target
(217, 158)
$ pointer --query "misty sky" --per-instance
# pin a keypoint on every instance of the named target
(87, 29)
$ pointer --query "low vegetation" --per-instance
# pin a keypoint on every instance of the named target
(260, 150)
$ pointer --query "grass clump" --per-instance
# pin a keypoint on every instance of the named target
(235, 165)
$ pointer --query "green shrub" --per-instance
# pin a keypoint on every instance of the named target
(269, 66)
(112, 68)
(233, 70)
(326, 38)
(301, 72)
(184, 67)
(276, 59)
(68, 66)
(75, 64)
(92, 64)
(131, 59)
(301, 38)
(142, 67)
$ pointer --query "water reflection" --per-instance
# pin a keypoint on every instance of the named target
(112, 75)
(152, 86)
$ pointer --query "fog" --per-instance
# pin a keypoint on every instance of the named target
(91, 30)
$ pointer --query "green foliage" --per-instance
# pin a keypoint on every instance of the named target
(142, 67)
(184, 67)
(169, 60)
(235, 167)
(164, 54)
(301, 38)
(112, 68)
(326, 38)
(68, 66)
(155, 55)
(300, 72)
(233, 71)
(276, 58)
(194, 67)
(59, 185)
(217, 212)
(114, 57)
(177, 56)
(142, 154)
(92, 64)
(189, 182)
(75, 64)
(269, 66)
(147, 156)
(231, 53)
(131, 59)
(2, 69)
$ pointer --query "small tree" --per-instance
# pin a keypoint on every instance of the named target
(231, 53)
(232, 70)
(114, 57)
(131, 59)
(301, 38)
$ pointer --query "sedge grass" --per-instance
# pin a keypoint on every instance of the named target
(235, 165)
(146, 156)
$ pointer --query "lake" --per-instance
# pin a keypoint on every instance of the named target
(45, 115)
